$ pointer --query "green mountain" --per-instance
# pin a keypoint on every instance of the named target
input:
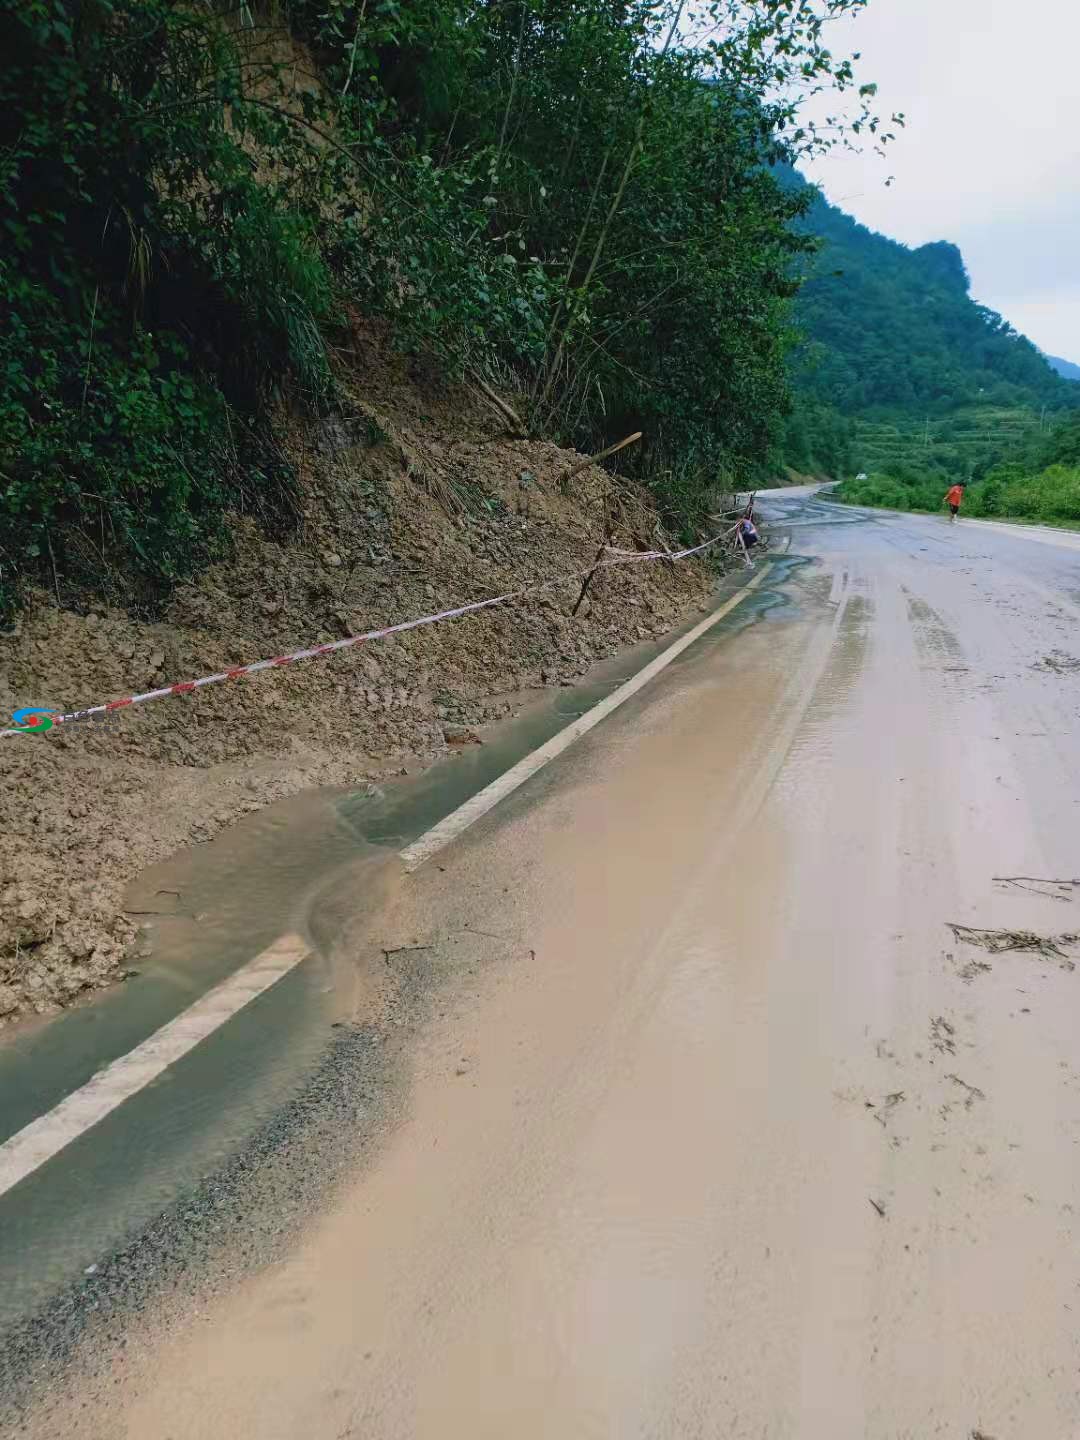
(895, 329)
(896, 361)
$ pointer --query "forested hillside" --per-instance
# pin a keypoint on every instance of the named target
(892, 329)
(1038, 480)
(542, 195)
(898, 364)
(922, 385)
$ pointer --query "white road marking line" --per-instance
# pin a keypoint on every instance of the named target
(459, 820)
(45, 1137)
(1063, 539)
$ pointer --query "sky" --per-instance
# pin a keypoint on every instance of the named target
(990, 156)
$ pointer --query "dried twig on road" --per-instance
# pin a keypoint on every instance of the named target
(972, 1092)
(487, 934)
(403, 950)
(1058, 662)
(998, 941)
(973, 968)
(941, 1035)
(877, 1206)
(887, 1106)
(1032, 882)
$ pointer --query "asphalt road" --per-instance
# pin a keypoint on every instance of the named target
(667, 1102)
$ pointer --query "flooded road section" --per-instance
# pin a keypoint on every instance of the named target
(717, 1127)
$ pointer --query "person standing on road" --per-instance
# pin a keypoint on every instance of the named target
(954, 498)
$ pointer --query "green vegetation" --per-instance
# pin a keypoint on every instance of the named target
(900, 372)
(154, 289)
(969, 441)
(197, 199)
(1042, 482)
(813, 439)
(894, 332)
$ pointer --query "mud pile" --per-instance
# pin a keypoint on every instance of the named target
(414, 499)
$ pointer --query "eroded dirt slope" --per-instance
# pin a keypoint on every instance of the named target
(412, 501)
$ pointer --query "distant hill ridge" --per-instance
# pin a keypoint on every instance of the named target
(1065, 368)
(890, 329)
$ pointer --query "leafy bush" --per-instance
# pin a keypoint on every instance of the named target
(1062, 444)
(1053, 495)
(153, 292)
(122, 446)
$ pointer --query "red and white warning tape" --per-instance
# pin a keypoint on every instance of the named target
(185, 687)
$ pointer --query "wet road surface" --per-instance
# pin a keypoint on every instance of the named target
(710, 1124)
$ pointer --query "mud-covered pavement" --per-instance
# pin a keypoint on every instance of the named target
(710, 1123)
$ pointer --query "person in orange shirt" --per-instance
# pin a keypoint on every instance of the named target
(954, 499)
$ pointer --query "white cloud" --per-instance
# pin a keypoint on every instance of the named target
(990, 156)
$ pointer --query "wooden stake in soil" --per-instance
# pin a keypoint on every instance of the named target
(609, 531)
(580, 465)
(588, 578)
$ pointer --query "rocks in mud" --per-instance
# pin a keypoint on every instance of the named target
(30, 916)
(460, 735)
(333, 434)
(390, 697)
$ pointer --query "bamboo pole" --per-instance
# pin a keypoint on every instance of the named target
(580, 465)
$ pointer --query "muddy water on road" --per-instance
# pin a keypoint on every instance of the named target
(304, 865)
(720, 1130)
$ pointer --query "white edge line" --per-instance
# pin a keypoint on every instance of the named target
(43, 1138)
(1063, 539)
(459, 820)
(46, 1136)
